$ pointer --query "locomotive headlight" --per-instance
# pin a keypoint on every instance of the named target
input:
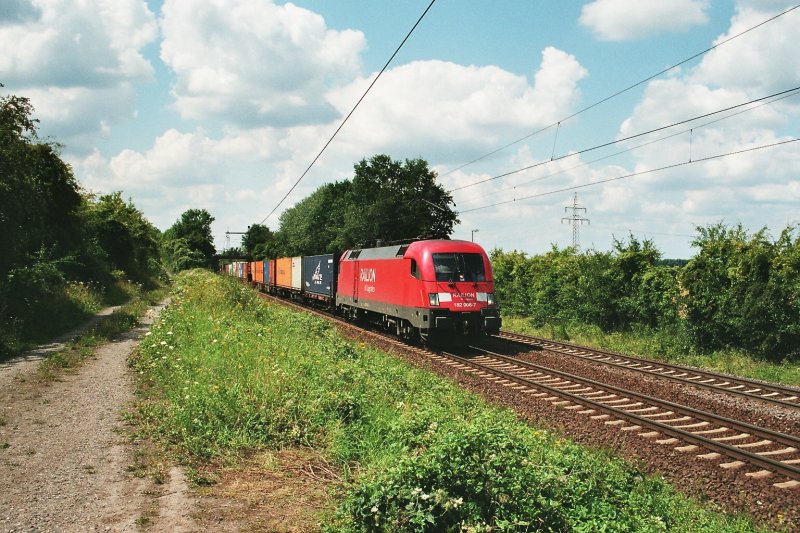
(489, 298)
(433, 298)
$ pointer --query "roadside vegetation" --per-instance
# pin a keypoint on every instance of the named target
(733, 307)
(64, 253)
(225, 374)
(109, 327)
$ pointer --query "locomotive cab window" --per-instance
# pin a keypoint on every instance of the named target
(459, 267)
(415, 269)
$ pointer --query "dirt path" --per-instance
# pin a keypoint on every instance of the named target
(65, 459)
(24, 363)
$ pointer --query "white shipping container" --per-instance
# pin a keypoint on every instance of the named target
(297, 271)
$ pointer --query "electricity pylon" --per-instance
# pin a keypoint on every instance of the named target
(576, 220)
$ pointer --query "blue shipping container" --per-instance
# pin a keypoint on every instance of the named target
(319, 275)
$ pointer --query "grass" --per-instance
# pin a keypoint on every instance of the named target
(121, 320)
(225, 375)
(66, 308)
(663, 346)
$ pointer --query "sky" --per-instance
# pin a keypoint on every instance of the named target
(222, 104)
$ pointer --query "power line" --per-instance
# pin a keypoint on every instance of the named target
(351, 111)
(642, 145)
(622, 91)
(633, 174)
(617, 141)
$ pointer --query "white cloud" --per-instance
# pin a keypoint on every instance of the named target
(253, 63)
(760, 62)
(615, 199)
(429, 107)
(78, 44)
(619, 20)
(785, 193)
(185, 170)
(76, 61)
(178, 159)
(79, 116)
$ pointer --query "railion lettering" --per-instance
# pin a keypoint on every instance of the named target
(367, 275)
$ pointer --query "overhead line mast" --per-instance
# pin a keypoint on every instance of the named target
(576, 220)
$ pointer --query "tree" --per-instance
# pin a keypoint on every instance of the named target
(53, 233)
(634, 259)
(182, 256)
(707, 284)
(39, 197)
(258, 241)
(190, 237)
(129, 240)
(315, 225)
(511, 271)
(386, 200)
(391, 200)
(743, 291)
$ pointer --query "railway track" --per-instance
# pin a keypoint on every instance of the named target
(733, 445)
(757, 390)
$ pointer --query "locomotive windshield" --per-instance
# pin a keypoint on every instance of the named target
(459, 267)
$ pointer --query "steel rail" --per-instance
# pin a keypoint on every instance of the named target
(775, 436)
(766, 463)
(791, 396)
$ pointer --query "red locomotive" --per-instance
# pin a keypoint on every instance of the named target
(429, 289)
(436, 289)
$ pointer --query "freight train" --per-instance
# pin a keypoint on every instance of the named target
(428, 290)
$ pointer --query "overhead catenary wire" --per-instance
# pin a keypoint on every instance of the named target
(634, 174)
(642, 145)
(628, 138)
(622, 91)
(397, 50)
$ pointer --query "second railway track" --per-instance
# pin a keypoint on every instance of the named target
(734, 445)
(756, 390)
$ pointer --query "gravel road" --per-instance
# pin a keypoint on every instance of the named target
(64, 452)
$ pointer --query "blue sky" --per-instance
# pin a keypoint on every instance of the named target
(221, 104)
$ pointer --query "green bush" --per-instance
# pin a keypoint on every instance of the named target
(740, 291)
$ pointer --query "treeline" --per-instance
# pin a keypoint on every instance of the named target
(385, 200)
(55, 234)
(739, 291)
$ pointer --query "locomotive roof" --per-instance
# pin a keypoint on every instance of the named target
(399, 250)
(384, 252)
